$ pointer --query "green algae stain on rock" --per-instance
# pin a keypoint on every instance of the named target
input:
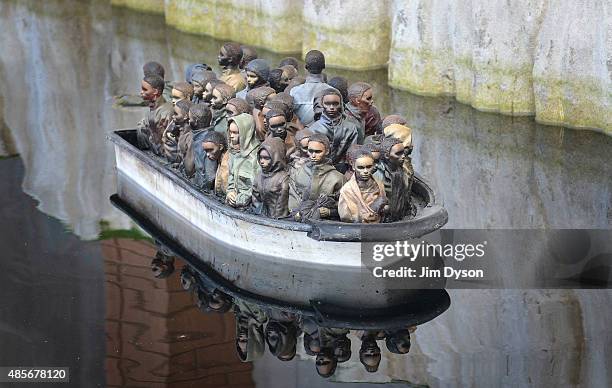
(148, 6)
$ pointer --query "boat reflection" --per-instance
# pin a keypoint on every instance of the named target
(288, 331)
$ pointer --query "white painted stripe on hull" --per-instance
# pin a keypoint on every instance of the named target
(261, 239)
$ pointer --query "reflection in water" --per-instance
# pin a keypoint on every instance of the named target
(491, 171)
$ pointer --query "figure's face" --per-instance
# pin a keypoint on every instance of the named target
(208, 93)
(331, 105)
(223, 58)
(213, 150)
(284, 81)
(179, 116)
(316, 152)
(198, 89)
(278, 127)
(397, 155)
(243, 341)
(252, 79)
(177, 96)
(304, 146)
(364, 167)
(342, 349)
(192, 121)
(265, 160)
(234, 135)
(314, 344)
(231, 110)
(148, 92)
(273, 337)
(264, 110)
(218, 301)
(370, 354)
(365, 102)
(325, 364)
(217, 101)
(402, 343)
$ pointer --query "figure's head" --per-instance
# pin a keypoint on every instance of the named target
(151, 87)
(363, 165)
(340, 84)
(375, 149)
(199, 116)
(273, 104)
(398, 342)
(181, 111)
(401, 132)
(153, 68)
(230, 55)
(209, 86)
(369, 354)
(264, 159)
(394, 119)
(360, 95)
(318, 148)
(236, 106)
(257, 72)
(312, 344)
(234, 135)
(315, 62)
(190, 70)
(288, 73)
(214, 145)
(276, 123)
(281, 339)
(248, 54)
(258, 97)
(331, 103)
(326, 362)
(199, 80)
(342, 348)
(221, 94)
(275, 80)
(220, 302)
(393, 151)
(290, 61)
(181, 91)
(301, 141)
(287, 101)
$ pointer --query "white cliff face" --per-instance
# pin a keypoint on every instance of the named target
(546, 58)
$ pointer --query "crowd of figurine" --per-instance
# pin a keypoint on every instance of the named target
(278, 144)
(261, 325)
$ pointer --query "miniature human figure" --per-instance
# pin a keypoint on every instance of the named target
(300, 157)
(199, 121)
(257, 73)
(236, 106)
(289, 73)
(362, 198)
(304, 94)
(394, 119)
(276, 126)
(404, 134)
(243, 164)
(199, 79)
(360, 106)
(248, 54)
(340, 84)
(257, 98)
(193, 68)
(250, 322)
(222, 93)
(350, 159)
(175, 129)
(398, 341)
(209, 148)
(313, 189)
(150, 129)
(155, 68)
(312, 343)
(291, 61)
(326, 362)
(294, 122)
(369, 353)
(271, 184)
(341, 132)
(215, 300)
(275, 79)
(281, 338)
(397, 182)
(337, 340)
(209, 86)
(181, 91)
(229, 58)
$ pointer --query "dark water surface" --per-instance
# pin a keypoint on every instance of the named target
(70, 299)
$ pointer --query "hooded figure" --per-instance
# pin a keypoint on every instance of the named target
(261, 69)
(362, 198)
(271, 185)
(206, 164)
(250, 321)
(243, 165)
(199, 79)
(341, 131)
(316, 184)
